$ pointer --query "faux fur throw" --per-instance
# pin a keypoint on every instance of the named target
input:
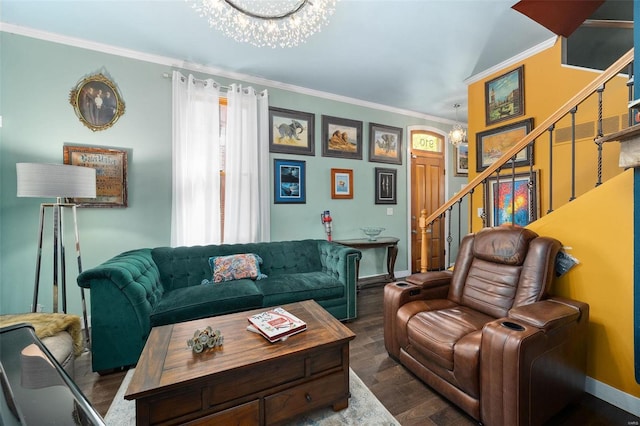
(49, 324)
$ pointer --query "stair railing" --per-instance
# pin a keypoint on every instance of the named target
(570, 107)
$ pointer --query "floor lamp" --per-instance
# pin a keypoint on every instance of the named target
(57, 181)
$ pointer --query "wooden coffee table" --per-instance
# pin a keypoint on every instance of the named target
(247, 381)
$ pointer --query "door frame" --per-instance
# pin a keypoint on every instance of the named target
(447, 153)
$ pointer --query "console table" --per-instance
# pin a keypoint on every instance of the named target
(391, 243)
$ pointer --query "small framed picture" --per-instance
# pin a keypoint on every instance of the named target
(289, 181)
(504, 96)
(385, 185)
(519, 206)
(462, 160)
(341, 184)
(341, 138)
(291, 132)
(97, 102)
(385, 144)
(111, 174)
(492, 144)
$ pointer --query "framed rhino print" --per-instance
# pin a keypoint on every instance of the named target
(291, 132)
(341, 138)
(385, 144)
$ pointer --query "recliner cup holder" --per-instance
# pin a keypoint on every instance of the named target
(402, 284)
(512, 326)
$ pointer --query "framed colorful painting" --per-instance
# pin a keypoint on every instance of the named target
(341, 138)
(493, 144)
(289, 181)
(519, 206)
(504, 96)
(291, 132)
(341, 184)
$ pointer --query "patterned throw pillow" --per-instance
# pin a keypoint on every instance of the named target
(236, 267)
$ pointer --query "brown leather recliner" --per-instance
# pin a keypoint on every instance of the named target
(487, 335)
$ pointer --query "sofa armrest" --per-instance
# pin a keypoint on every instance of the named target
(539, 349)
(123, 290)
(341, 262)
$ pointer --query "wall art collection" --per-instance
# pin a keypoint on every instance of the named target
(292, 132)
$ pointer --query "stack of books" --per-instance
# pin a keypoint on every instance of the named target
(276, 324)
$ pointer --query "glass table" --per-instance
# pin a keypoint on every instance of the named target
(36, 390)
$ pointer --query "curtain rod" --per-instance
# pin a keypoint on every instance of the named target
(169, 76)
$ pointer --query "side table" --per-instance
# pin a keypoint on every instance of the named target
(391, 243)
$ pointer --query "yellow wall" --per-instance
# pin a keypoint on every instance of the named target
(597, 225)
(547, 86)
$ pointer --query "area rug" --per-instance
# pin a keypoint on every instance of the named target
(364, 409)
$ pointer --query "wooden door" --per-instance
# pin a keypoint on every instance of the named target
(427, 192)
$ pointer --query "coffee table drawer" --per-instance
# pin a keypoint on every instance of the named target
(305, 397)
(245, 414)
(255, 380)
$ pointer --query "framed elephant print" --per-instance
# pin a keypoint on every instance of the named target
(291, 132)
(341, 138)
(385, 144)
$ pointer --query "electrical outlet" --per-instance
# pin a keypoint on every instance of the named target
(389, 211)
(39, 307)
(480, 211)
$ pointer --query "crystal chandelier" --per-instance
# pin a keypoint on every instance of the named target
(272, 23)
(457, 135)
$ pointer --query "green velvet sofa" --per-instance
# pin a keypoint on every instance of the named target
(143, 288)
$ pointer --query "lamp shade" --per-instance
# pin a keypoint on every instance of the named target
(55, 180)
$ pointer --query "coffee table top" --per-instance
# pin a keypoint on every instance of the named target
(167, 361)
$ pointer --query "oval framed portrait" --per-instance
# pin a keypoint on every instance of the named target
(97, 102)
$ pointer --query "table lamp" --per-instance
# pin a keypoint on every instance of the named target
(59, 181)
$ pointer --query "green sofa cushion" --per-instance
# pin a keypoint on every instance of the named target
(281, 289)
(203, 301)
(187, 266)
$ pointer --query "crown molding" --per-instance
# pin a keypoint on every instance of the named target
(215, 71)
(513, 60)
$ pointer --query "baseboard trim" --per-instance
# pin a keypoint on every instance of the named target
(613, 396)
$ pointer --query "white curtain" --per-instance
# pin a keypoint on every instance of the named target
(195, 209)
(247, 215)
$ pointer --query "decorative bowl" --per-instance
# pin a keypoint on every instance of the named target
(372, 232)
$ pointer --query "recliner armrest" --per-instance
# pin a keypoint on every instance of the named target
(428, 280)
(548, 314)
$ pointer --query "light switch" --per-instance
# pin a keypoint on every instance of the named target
(389, 211)
(480, 211)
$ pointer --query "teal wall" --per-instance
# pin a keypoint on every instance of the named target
(36, 77)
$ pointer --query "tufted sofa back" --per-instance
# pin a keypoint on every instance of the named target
(188, 266)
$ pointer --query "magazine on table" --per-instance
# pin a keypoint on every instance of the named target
(276, 324)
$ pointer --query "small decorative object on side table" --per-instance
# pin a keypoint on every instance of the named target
(372, 232)
(206, 338)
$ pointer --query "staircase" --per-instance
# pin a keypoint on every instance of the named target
(540, 137)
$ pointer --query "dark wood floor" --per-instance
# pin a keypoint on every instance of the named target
(408, 399)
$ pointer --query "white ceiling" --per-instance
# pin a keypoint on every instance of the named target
(409, 54)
